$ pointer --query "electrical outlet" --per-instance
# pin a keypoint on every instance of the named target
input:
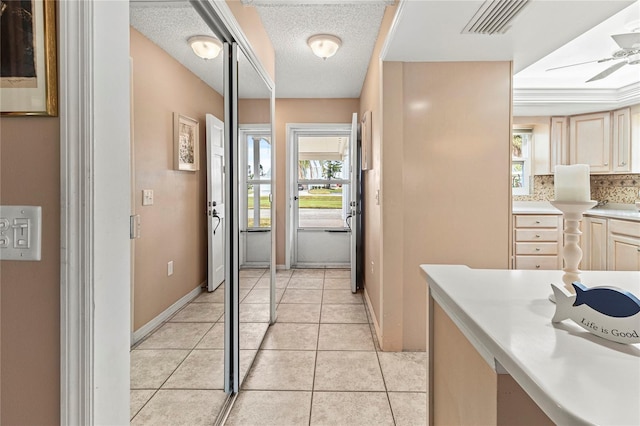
(170, 268)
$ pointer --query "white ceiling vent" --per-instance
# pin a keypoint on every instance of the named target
(494, 17)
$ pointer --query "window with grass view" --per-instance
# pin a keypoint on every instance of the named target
(323, 182)
(521, 145)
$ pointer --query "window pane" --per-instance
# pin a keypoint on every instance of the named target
(258, 157)
(258, 206)
(323, 206)
(517, 174)
(323, 157)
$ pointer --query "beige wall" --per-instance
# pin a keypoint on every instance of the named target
(251, 24)
(370, 100)
(301, 111)
(30, 291)
(175, 227)
(445, 181)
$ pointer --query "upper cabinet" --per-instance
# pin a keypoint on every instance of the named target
(590, 141)
(609, 142)
(621, 140)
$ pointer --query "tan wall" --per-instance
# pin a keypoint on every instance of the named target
(445, 179)
(251, 24)
(175, 227)
(30, 291)
(370, 98)
(301, 111)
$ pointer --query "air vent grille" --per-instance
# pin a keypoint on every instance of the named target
(494, 17)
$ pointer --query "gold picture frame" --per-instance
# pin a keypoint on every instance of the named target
(186, 143)
(29, 75)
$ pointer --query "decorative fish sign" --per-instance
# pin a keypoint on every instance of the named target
(608, 312)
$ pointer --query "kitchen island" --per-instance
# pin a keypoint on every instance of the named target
(496, 358)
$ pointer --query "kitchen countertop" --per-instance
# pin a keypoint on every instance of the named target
(574, 376)
(612, 211)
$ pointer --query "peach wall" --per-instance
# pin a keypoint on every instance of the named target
(445, 153)
(30, 291)
(370, 100)
(175, 227)
(251, 24)
(301, 111)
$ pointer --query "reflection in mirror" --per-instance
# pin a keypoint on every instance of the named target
(521, 161)
(190, 345)
(255, 196)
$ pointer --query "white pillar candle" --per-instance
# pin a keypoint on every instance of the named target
(572, 183)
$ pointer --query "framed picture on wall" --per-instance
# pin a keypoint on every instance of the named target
(185, 143)
(28, 69)
(365, 129)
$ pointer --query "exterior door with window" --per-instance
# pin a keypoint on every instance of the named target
(321, 197)
(255, 199)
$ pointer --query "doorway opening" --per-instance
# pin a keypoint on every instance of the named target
(322, 181)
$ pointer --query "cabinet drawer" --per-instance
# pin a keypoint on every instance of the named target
(536, 262)
(624, 227)
(536, 248)
(536, 235)
(536, 221)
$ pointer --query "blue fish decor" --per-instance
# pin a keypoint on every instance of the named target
(608, 312)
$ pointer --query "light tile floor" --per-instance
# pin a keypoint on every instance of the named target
(320, 364)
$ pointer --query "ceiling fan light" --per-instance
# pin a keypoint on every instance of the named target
(324, 45)
(205, 47)
(633, 59)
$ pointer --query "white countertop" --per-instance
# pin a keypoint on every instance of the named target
(575, 377)
(613, 211)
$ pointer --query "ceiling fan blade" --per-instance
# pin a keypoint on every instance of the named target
(582, 63)
(627, 40)
(613, 68)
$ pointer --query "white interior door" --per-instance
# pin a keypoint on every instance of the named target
(215, 202)
(353, 204)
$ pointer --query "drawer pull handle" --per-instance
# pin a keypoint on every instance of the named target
(624, 163)
(537, 221)
(537, 266)
(537, 248)
(537, 236)
(606, 164)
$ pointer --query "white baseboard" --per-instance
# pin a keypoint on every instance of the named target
(142, 332)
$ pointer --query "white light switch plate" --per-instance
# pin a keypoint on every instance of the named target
(147, 197)
(20, 232)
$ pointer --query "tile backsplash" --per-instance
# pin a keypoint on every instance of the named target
(621, 189)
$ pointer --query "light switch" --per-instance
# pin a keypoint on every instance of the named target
(147, 197)
(20, 232)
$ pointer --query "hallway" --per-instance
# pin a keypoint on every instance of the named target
(319, 364)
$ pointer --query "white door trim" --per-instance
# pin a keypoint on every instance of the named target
(95, 205)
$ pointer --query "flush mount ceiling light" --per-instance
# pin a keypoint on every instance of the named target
(205, 46)
(324, 45)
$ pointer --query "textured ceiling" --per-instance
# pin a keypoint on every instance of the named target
(425, 31)
(170, 24)
(301, 74)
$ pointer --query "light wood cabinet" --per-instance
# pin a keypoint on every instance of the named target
(590, 141)
(624, 245)
(537, 241)
(559, 142)
(621, 140)
(594, 244)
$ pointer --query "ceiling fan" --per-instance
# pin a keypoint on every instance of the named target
(629, 53)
